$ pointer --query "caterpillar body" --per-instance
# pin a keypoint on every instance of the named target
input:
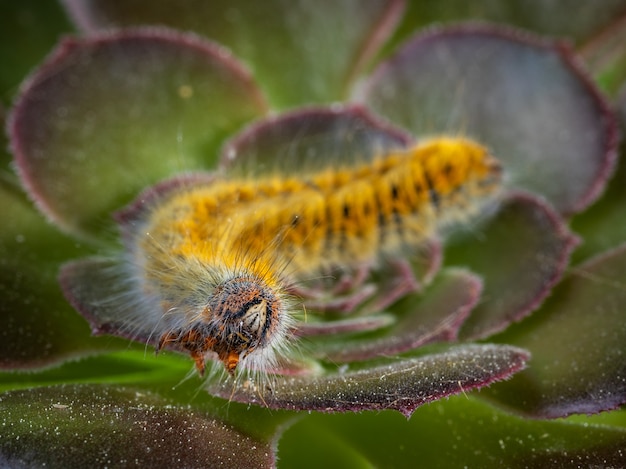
(219, 256)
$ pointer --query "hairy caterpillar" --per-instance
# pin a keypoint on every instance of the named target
(218, 256)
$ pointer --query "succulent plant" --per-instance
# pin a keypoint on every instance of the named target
(526, 302)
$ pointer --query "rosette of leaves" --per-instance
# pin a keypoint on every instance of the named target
(135, 93)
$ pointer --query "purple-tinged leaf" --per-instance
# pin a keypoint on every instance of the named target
(96, 287)
(602, 225)
(578, 344)
(402, 385)
(401, 277)
(301, 52)
(105, 117)
(365, 289)
(580, 21)
(311, 139)
(96, 426)
(436, 315)
(426, 263)
(526, 98)
(323, 300)
(520, 254)
(353, 325)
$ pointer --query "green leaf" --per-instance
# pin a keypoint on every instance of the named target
(302, 52)
(578, 344)
(107, 116)
(524, 97)
(401, 384)
(521, 253)
(95, 426)
(458, 432)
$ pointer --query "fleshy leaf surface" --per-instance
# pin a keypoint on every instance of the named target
(581, 22)
(402, 385)
(301, 52)
(96, 426)
(578, 342)
(104, 117)
(311, 139)
(452, 433)
(602, 226)
(345, 326)
(527, 99)
(94, 287)
(436, 315)
(520, 254)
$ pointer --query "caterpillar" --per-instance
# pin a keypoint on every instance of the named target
(219, 255)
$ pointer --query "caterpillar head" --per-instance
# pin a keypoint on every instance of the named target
(243, 316)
